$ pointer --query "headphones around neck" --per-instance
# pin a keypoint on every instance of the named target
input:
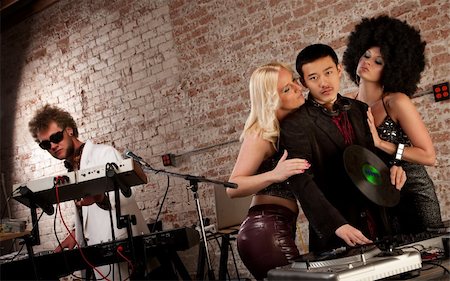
(340, 105)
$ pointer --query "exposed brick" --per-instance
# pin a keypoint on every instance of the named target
(441, 59)
(172, 76)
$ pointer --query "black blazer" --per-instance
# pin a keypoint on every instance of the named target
(326, 194)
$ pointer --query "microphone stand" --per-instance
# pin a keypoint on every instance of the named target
(193, 183)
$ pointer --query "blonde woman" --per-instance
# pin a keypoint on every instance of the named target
(266, 238)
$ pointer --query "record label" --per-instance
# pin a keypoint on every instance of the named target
(371, 174)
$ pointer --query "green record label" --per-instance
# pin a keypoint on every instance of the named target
(371, 174)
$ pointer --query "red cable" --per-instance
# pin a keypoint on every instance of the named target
(130, 264)
(70, 233)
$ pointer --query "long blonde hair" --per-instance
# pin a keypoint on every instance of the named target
(265, 101)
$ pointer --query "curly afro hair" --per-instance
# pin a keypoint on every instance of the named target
(400, 45)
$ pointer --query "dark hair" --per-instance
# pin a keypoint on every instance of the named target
(401, 48)
(47, 114)
(312, 53)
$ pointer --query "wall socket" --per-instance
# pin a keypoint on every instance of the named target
(440, 92)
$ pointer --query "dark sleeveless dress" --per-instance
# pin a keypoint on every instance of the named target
(419, 207)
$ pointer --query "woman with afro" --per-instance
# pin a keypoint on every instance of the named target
(385, 57)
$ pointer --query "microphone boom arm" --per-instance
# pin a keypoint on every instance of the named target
(190, 178)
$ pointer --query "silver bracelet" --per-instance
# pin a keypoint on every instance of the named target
(399, 153)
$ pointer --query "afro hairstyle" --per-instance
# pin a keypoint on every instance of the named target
(401, 48)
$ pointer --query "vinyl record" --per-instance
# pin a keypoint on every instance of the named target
(369, 173)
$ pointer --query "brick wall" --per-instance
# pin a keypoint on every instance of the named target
(172, 76)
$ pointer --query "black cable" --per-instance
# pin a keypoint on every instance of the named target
(108, 168)
(56, 214)
(162, 204)
(110, 175)
(18, 252)
(32, 228)
(446, 271)
(107, 275)
(113, 234)
(59, 244)
(54, 229)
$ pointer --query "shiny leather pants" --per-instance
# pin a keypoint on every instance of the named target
(266, 239)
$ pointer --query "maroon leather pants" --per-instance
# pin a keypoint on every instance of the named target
(266, 239)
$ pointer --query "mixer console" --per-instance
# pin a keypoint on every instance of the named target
(388, 257)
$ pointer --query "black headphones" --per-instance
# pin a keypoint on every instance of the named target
(340, 105)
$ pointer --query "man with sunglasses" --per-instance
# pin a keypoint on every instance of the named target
(56, 132)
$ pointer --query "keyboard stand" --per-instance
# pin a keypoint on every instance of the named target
(29, 241)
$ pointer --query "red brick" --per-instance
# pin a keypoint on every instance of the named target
(172, 76)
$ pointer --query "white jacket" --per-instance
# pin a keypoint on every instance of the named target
(96, 221)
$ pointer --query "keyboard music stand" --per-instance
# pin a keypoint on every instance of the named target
(34, 202)
(193, 183)
(77, 184)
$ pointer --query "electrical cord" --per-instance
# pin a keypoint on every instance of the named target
(59, 242)
(446, 271)
(71, 235)
(162, 204)
(21, 248)
(130, 264)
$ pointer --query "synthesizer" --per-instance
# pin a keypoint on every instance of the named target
(78, 184)
(50, 265)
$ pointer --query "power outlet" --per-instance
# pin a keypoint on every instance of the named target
(440, 92)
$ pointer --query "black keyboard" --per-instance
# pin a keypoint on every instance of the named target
(50, 265)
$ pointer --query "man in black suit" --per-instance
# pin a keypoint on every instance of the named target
(319, 132)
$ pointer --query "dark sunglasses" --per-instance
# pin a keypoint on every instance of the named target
(54, 138)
